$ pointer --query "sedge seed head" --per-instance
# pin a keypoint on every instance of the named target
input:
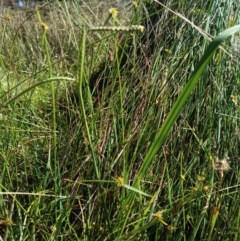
(206, 188)
(6, 221)
(234, 99)
(182, 177)
(159, 215)
(221, 165)
(44, 26)
(113, 12)
(141, 28)
(8, 18)
(201, 177)
(119, 181)
(195, 189)
(135, 4)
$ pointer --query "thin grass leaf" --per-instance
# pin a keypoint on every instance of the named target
(34, 86)
(136, 190)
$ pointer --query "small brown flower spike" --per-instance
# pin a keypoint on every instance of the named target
(221, 166)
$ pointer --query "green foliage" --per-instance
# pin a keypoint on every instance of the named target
(110, 133)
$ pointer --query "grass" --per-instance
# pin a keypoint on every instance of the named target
(110, 134)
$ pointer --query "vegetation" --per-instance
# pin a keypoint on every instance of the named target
(117, 133)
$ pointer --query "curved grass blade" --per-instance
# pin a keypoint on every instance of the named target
(34, 86)
(180, 102)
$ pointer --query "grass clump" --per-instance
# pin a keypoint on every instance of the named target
(111, 133)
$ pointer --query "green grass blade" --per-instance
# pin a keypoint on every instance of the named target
(136, 190)
(178, 105)
(13, 99)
